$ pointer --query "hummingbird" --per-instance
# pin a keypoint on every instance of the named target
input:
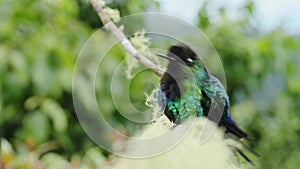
(188, 89)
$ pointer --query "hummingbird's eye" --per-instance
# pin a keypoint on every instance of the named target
(189, 60)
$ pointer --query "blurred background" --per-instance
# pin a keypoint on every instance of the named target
(257, 41)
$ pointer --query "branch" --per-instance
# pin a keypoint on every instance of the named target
(111, 27)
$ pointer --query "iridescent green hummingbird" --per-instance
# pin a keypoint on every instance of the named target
(188, 89)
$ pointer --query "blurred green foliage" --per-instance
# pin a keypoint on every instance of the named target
(39, 46)
(262, 74)
(40, 41)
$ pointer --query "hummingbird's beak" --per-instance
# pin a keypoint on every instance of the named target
(165, 56)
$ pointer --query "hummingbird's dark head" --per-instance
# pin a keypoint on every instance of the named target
(181, 54)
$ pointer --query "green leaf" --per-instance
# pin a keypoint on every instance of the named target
(55, 161)
(56, 114)
(35, 126)
(250, 6)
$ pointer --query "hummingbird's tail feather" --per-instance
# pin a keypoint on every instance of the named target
(251, 141)
(243, 155)
(249, 148)
(235, 130)
(237, 134)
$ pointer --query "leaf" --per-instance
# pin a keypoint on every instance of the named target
(250, 7)
(56, 113)
(94, 158)
(203, 19)
(7, 152)
(35, 126)
(55, 161)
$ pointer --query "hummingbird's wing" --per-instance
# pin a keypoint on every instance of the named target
(219, 104)
(215, 101)
(166, 95)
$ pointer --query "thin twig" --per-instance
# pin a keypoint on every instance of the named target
(111, 27)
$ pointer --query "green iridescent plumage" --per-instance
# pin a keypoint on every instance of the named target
(184, 100)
